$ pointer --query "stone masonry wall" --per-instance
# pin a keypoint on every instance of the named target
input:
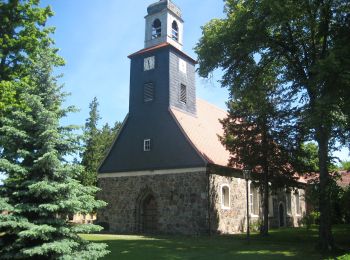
(232, 219)
(227, 220)
(181, 200)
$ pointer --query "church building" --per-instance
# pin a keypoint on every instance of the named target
(167, 170)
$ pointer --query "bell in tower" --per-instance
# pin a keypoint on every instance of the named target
(164, 24)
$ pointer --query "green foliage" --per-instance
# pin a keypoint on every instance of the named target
(97, 144)
(345, 204)
(306, 44)
(257, 132)
(22, 34)
(310, 218)
(309, 157)
(41, 189)
(338, 209)
(345, 165)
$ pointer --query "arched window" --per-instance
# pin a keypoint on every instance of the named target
(289, 202)
(253, 200)
(297, 202)
(156, 29)
(225, 196)
(270, 205)
(175, 31)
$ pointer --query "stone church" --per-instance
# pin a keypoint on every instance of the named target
(167, 171)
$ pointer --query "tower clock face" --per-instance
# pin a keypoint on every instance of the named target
(148, 63)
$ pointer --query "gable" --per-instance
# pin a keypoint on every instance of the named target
(169, 146)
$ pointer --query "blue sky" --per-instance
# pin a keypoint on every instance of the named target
(95, 37)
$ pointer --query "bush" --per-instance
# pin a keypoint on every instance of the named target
(311, 218)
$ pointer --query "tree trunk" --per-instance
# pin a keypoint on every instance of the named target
(326, 242)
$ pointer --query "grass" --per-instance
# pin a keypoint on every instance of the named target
(295, 243)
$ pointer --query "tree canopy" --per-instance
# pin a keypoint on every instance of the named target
(97, 143)
(306, 42)
(41, 189)
(22, 34)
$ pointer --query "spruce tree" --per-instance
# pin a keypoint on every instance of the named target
(90, 156)
(40, 190)
(97, 142)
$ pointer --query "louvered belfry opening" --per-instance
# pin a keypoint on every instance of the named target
(183, 96)
(148, 92)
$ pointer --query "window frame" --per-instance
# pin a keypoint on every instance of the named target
(147, 145)
(225, 186)
(156, 31)
(270, 206)
(289, 203)
(251, 200)
(175, 31)
(297, 203)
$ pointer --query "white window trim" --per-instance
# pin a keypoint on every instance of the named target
(250, 202)
(290, 212)
(144, 145)
(229, 196)
(271, 197)
(296, 208)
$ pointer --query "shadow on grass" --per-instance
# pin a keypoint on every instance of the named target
(282, 243)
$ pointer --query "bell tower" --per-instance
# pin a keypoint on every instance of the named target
(162, 80)
(163, 24)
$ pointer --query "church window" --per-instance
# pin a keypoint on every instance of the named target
(148, 92)
(289, 202)
(156, 29)
(175, 31)
(225, 196)
(297, 202)
(270, 205)
(253, 200)
(147, 145)
(183, 94)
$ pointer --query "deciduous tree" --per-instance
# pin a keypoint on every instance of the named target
(257, 132)
(307, 43)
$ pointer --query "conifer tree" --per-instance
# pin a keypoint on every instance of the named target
(40, 190)
(97, 142)
(90, 156)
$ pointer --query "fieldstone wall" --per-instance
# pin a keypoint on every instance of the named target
(232, 219)
(181, 198)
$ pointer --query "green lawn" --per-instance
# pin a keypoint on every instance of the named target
(296, 243)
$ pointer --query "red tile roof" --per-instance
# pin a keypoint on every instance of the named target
(344, 180)
(203, 130)
(159, 46)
